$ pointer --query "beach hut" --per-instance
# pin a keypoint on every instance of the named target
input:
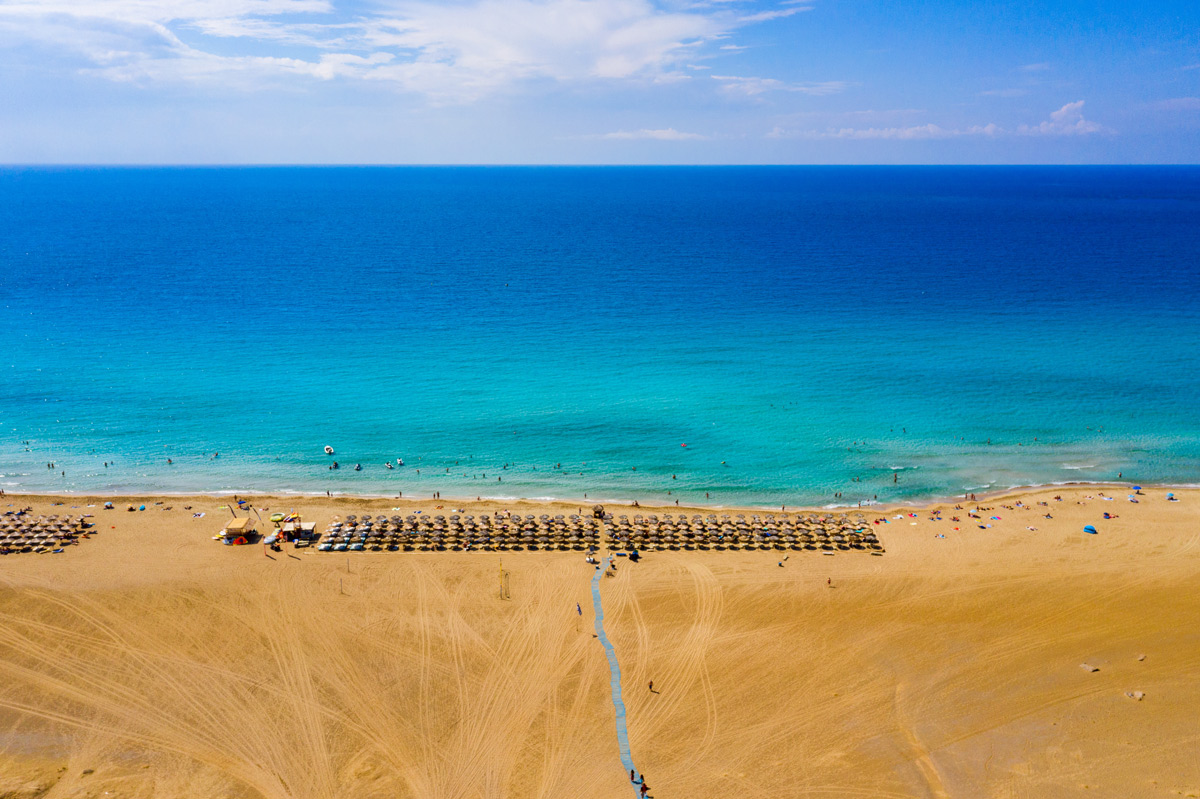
(238, 531)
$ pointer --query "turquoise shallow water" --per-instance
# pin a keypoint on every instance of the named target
(796, 328)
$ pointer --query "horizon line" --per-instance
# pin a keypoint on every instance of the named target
(510, 165)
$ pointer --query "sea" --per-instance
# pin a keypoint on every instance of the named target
(760, 336)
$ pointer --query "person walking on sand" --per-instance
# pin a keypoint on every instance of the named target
(652, 686)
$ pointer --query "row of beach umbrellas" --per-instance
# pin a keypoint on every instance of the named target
(567, 532)
(26, 533)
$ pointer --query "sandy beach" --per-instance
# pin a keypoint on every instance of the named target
(1013, 656)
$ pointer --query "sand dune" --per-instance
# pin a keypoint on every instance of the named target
(149, 661)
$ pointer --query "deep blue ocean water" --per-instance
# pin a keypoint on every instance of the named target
(796, 328)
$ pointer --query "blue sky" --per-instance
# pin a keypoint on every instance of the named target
(598, 81)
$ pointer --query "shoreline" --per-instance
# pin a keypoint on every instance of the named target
(629, 503)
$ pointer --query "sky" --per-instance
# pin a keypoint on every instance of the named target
(598, 81)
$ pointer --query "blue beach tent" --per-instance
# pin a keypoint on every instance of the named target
(1090, 530)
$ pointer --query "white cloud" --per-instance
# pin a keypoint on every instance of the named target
(929, 131)
(1066, 121)
(778, 13)
(752, 86)
(1041, 66)
(452, 51)
(664, 134)
(301, 34)
(1179, 104)
(497, 42)
(161, 10)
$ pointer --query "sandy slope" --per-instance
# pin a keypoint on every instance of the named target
(172, 666)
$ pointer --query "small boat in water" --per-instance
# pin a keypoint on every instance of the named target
(389, 465)
(399, 461)
(328, 450)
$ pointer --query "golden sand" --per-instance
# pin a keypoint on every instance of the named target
(152, 662)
